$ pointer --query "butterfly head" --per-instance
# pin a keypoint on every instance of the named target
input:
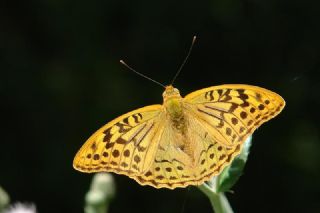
(170, 93)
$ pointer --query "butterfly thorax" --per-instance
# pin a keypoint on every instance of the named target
(172, 102)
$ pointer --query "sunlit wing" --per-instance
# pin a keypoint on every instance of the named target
(126, 145)
(230, 113)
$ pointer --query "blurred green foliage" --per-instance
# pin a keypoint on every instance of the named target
(102, 191)
(61, 80)
(4, 199)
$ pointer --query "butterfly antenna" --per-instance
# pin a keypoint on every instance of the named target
(130, 68)
(185, 60)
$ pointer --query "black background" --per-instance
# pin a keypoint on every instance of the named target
(61, 80)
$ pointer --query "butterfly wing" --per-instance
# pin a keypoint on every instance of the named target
(126, 145)
(230, 113)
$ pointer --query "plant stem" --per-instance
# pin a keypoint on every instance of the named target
(219, 201)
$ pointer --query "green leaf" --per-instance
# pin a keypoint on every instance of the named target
(230, 175)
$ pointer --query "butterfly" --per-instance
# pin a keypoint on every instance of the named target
(185, 141)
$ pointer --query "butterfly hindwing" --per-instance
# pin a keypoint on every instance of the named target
(198, 159)
(124, 145)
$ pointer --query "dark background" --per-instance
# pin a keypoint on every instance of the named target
(61, 80)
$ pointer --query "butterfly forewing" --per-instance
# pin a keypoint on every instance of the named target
(124, 145)
(232, 112)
